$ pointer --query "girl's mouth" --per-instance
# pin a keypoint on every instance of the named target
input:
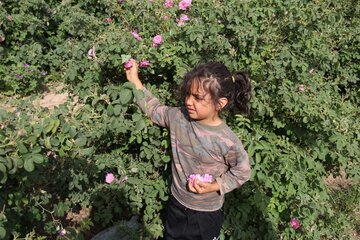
(190, 110)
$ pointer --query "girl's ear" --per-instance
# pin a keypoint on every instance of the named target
(222, 103)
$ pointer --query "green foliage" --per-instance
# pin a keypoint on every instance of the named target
(304, 61)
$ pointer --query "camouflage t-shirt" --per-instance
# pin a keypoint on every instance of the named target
(199, 149)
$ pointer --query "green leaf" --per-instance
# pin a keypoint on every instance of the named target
(125, 58)
(86, 151)
(7, 161)
(110, 110)
(140, 125)
(117, 110)
(136, 117)
(47, 143)
(80, 142)
(125, 96)
(72, 131)
(3, 115)
(129, 85)
(69, 143)
(49, 126)
(72, 74)
(3, 173)
(21, 147)
(56, 125)
(138, 94)
(37, 158)
(14, 165)
(36, 149)
(29, 164)
(54, 141)
(61, 152)
(60, 209)
(2, 232)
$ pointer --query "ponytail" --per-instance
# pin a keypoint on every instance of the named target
(242, 92)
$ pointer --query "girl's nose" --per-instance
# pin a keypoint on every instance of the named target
(188, 101)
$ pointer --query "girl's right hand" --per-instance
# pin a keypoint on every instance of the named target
(132, 74)
(199, 187)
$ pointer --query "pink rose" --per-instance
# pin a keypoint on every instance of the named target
(144, 63)
(136, 36)
(184, 4)
(207, 178)
(120, 1)
(202, 178)
(109, 178)
(108, 19)
(169, 3)
(91, 53)
(295, 223)
(183, 18)
(123, 180)
(301, 87)
(62, 232)
(128, 64)
(157, 40)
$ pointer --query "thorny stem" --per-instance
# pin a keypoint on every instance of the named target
(51, 214)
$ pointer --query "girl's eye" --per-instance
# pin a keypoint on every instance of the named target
(198, 97)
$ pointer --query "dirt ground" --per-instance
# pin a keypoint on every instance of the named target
(339, 183)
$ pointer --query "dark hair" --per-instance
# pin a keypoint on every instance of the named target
(216, 79)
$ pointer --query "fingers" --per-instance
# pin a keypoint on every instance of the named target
(134, 63)
(191, 186)
(197, 186)
(200, 187)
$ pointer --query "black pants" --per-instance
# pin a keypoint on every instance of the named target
(186, 224)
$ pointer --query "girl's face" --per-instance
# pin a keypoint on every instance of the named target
(200, 106)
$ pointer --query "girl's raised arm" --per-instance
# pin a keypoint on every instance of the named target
(150, 105)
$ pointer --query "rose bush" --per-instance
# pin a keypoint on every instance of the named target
(81, 167)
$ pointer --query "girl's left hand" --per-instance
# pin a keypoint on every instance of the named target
(202, 187)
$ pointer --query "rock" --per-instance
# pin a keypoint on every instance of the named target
(124, 230)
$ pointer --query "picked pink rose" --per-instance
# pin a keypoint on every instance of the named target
(202, 178)
(128, 65)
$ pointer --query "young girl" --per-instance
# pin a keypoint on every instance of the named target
(208, 159)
